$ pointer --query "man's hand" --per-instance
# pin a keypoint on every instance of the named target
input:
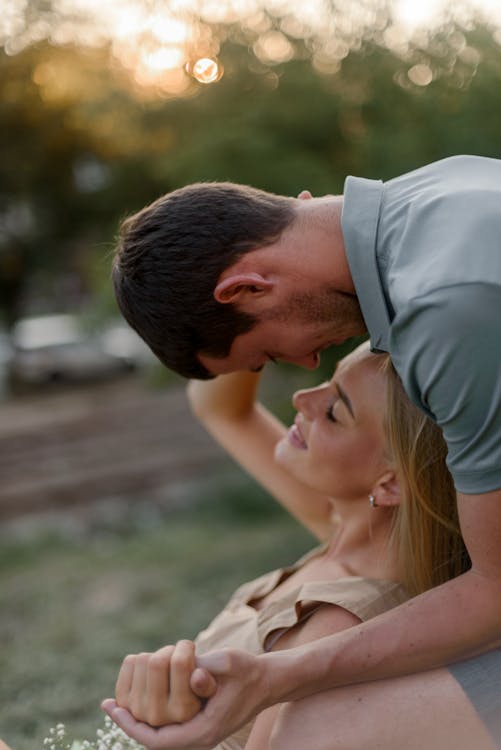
(241, 694)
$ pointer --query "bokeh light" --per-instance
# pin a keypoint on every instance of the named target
(421, 75)
(206, 70)
(161, 44)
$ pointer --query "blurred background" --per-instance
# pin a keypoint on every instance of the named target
(122, 526)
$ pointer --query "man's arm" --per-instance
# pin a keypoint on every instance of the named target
(449, 623)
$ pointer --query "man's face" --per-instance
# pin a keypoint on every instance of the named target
(295, 332)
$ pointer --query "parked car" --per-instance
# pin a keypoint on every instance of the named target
(51, 348)
(119, 340)
(5, 359)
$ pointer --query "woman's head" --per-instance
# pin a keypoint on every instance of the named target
(337, 444)
(359, 435)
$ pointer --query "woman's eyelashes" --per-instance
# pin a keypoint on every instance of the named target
(330, 411)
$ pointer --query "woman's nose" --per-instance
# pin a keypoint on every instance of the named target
(306, 401)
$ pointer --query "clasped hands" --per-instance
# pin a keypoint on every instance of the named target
(163, 687)
(162, 697)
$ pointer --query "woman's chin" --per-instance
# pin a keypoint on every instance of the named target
(286, 455)
(280, 450)
(288, 458)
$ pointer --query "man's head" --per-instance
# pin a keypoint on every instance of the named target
(219, 277)
(170, 257)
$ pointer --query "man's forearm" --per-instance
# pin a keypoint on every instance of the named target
(449, 623)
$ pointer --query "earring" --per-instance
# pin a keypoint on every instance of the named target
(372, 502)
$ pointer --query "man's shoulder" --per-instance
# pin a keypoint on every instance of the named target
(446, 186)
(440, 227)
(462, 168)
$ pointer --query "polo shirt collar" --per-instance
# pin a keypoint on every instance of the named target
(359, 221)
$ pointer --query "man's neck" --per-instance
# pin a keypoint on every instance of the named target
(319, 220)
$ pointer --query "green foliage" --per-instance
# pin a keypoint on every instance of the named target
(80, 147)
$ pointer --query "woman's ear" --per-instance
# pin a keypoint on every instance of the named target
(386, 491)
(241, 286)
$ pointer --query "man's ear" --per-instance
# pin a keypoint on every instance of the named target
(305, 195)
(387, 490)
(239, 286)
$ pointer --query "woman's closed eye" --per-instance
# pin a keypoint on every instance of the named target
(330, 411)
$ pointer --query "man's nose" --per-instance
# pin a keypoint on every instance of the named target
(309, 362)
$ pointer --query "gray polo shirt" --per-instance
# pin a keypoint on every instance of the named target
(424, 251)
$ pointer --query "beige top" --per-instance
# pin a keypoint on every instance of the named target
(242, 626)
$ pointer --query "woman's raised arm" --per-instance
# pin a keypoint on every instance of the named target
(228, 408)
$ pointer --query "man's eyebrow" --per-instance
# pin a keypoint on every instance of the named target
(344, 398)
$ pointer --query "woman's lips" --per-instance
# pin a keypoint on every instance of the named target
(295, 437)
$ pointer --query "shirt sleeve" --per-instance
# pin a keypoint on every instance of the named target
(446, 347)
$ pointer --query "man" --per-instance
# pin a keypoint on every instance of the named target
(219, 278)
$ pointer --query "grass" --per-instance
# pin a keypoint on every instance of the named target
(75, 599)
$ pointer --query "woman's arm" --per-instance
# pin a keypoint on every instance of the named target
(459, 619)
(325, 621)
(228, 408)
(157, 688)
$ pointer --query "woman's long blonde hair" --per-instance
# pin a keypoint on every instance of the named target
(425, 532)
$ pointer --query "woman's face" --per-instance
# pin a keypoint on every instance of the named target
(336, 444)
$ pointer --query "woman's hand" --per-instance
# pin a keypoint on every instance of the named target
(155, 687)
(243, 683)
(227, 398)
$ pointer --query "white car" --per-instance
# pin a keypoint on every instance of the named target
(56, 348)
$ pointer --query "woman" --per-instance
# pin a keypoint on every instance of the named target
(362, 469)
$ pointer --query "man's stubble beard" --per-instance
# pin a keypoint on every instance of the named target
(328, 306)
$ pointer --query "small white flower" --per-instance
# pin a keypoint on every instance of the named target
(111, 737)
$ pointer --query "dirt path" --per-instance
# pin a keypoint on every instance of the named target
(117, 439)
